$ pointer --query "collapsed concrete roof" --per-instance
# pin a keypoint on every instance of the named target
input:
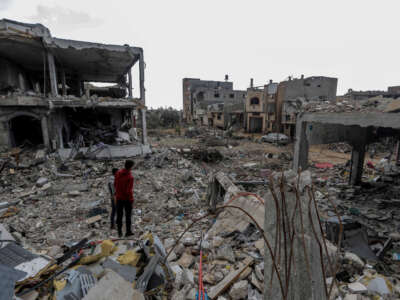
(24, 43)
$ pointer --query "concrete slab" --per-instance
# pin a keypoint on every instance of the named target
(388, 120)
(113, 286)
(113, 152)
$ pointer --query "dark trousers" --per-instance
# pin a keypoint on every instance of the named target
(113, 209)
(124, 205)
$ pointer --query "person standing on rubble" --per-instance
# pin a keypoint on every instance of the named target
(124, 196)
(111, 188)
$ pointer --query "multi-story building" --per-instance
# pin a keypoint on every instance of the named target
(255, 109)
(292, 94)
(224, 115)
(261, 108)
(46, 95)
(199, 94)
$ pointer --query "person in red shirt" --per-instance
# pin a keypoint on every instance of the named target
(124, 196)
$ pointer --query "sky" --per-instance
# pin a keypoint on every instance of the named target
(356, 41)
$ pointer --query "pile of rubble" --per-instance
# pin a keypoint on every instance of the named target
(56, 226)
(59, 213)
(369, 264)
(376, 104)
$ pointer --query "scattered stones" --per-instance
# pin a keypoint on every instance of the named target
(186, 260)
(41, 181)
(239, 290)
(226, 252)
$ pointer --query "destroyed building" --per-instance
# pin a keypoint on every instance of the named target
(199, 94)
(392, 92)
(215, 115)
(261, 108)
(294, 93)
(226, 114)
(47, 95)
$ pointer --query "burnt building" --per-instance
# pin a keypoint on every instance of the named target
(199, 94)
(47, 95)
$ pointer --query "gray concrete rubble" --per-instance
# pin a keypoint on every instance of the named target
(55, 210)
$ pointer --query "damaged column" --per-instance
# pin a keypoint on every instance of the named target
(130, 83)
(300, 159)
(45, 132)
(144, 126)
(357, 163)
(291, 227)
(358, 155)
(52, 74)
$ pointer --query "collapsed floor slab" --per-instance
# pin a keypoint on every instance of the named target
(111, 152)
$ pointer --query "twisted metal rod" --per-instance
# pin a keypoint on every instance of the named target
(288, 229)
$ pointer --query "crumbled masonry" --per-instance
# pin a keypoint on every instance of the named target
(62, 217)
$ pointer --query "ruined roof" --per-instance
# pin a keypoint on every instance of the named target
(371, 105)
(25, 44)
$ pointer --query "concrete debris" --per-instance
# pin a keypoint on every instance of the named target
(186, 260)
(41, 181)
(225, 252)
(239, 290)
(253, 294)
(112, 286)
(357, 288)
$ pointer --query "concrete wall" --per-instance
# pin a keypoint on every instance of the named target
(201, 93)
(251, 94)
(190, 89)
(310, 89)
(8, 113)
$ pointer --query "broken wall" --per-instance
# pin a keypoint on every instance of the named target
(11, 77)
(7, 138)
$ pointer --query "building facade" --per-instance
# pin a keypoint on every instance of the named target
(199, 94)
(292, 94)
(255, 110)
(260, 108)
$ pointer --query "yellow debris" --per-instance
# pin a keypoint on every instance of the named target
(148, 236)
(130, 257)
(107, 248)
(11, 211)
(59, 285)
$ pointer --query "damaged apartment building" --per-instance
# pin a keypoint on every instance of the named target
(295, 93)
(274, 106)
(50, 92)
(211, 103)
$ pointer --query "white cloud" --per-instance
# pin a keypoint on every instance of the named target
(62, 18)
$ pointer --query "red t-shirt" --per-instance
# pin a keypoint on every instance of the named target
(124, 185)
